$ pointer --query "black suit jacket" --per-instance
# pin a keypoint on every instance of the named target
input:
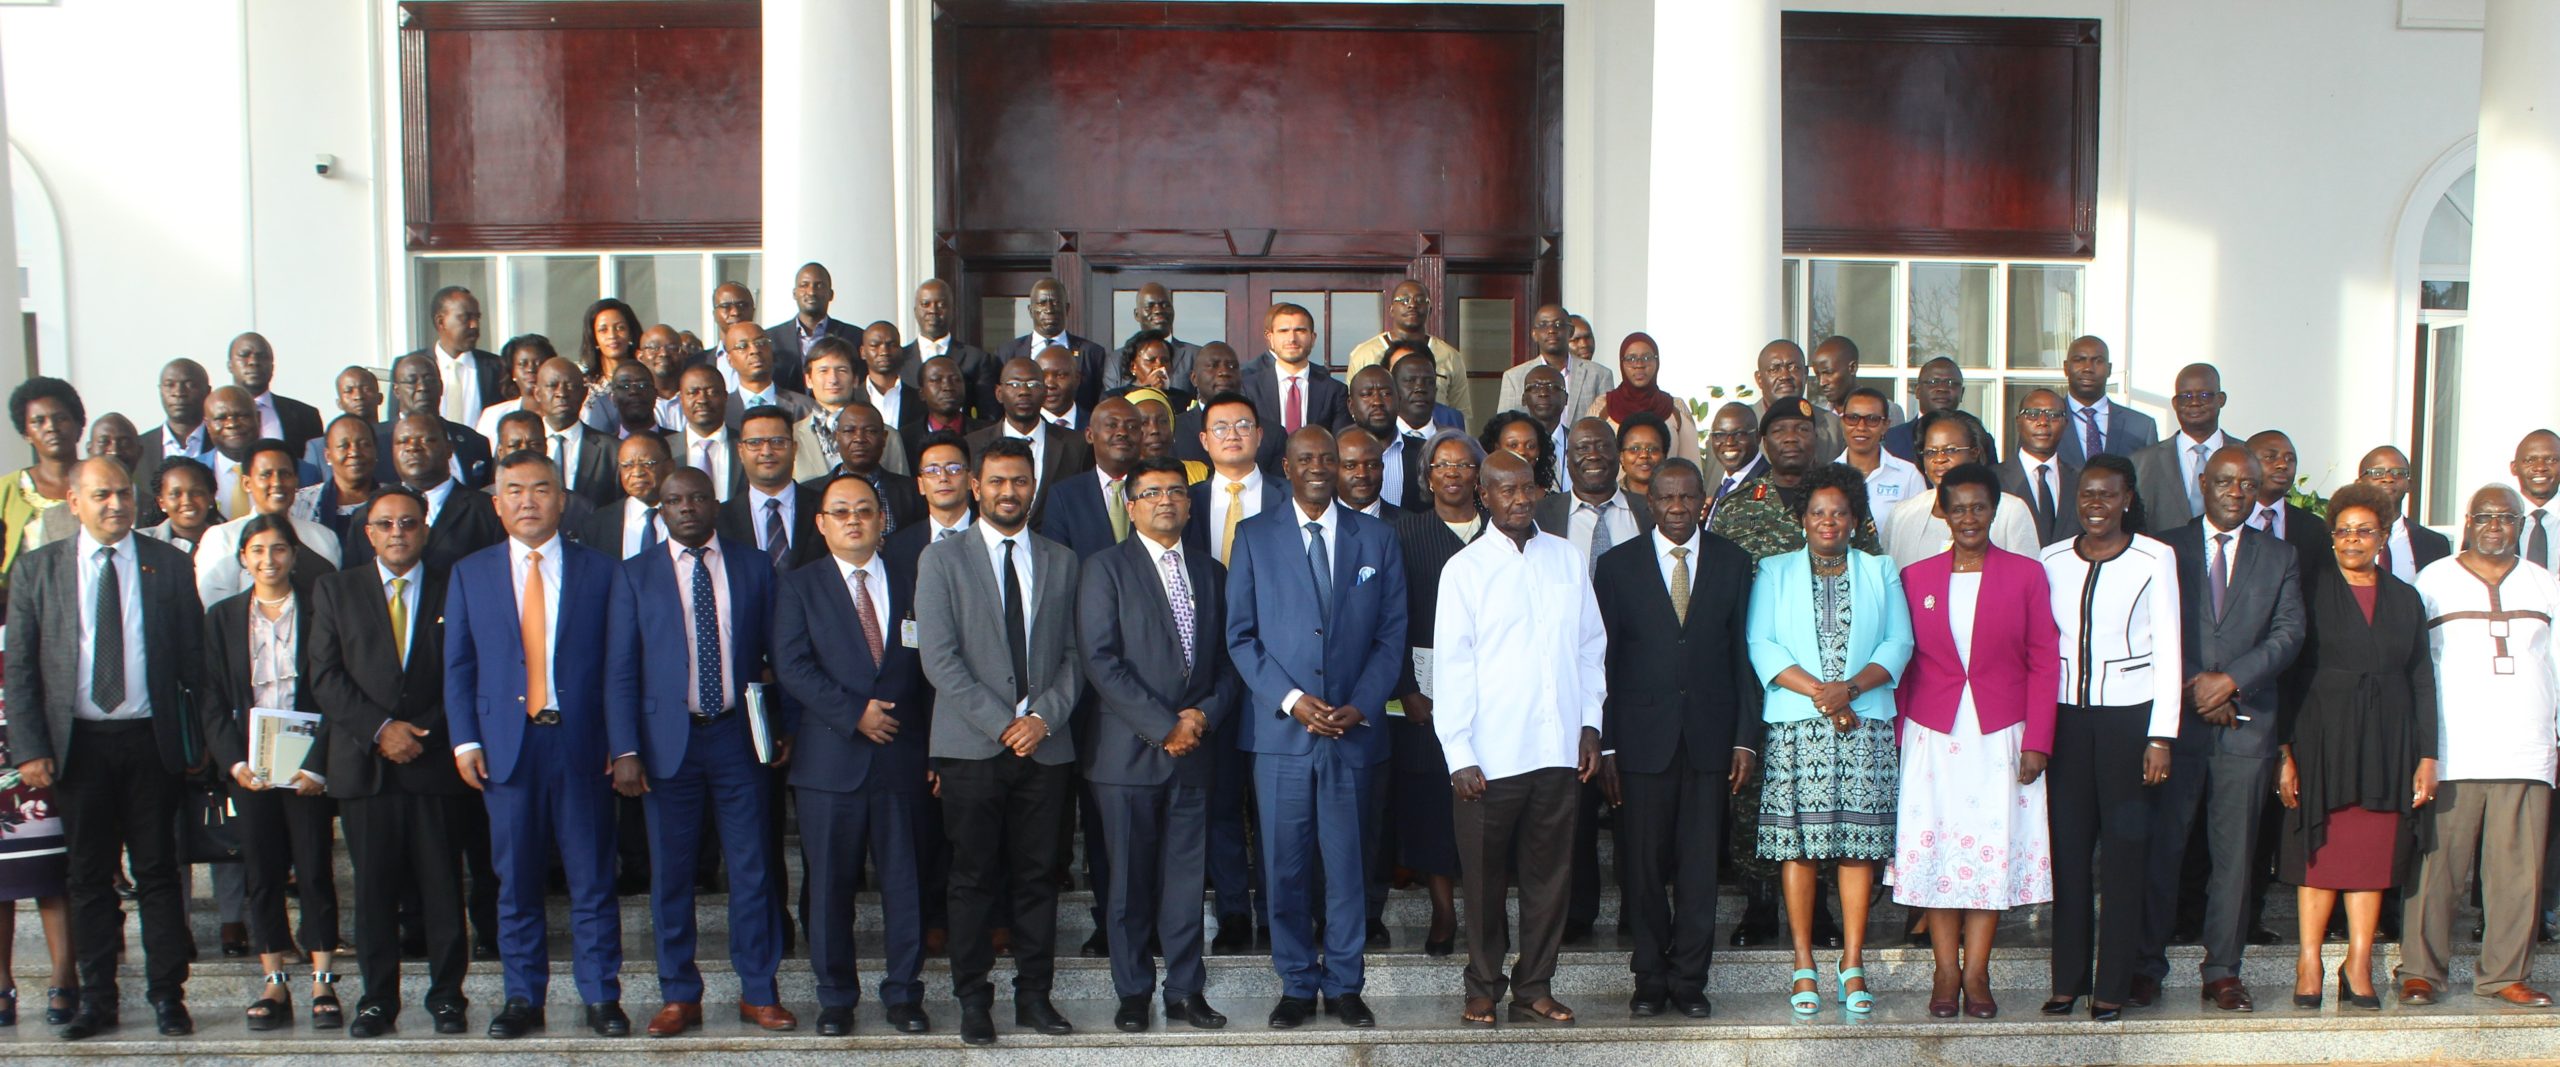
(1186, 437)
(2065, 523)
(2428, 545)
(601, 529)
(1327, 403)
(1673, 684)
(1555, 514)
(223, 712)
(598, 479)
(491, 370)
(1134, 665)
(1091, 357)
(362, 683)
(467, 523)
(906, 545)
(897, 493)
(1066, 454)
(470, 451)
(44, 640)
(978, 368)
(300, 422)
(825, 667)
(2313, 555)
(790, 364)
(739, 523)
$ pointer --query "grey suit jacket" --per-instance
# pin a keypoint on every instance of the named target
(960, 626)
(2066, 495)
(45, 638)
(1555, 514)
(1134, 655)
(2162, 485)
(2254, 640)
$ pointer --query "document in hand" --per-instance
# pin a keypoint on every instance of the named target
(759, 723)
(279, 740)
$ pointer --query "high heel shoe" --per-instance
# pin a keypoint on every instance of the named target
(61, 1016)
(1985, 1008)
(1809, 1001)
(2347, 996)
(2058, 1005)
(1858, 1001)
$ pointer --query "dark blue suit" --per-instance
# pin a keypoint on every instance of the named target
(1313, 790)
(1241, 899)
(549, 791)
(1078, 517)
(1153, 807)
(693, 765)
(2127, 431)
(855, 794)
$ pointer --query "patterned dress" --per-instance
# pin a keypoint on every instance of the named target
(33, 861)
(1828, 795)
(1968, 835)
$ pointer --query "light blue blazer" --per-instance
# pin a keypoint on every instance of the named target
(1782, 630)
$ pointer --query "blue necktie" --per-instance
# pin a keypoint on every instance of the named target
(1321, 570)
(706, 638)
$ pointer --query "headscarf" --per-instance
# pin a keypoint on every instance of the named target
(1626, 401)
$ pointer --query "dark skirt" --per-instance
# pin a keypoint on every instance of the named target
(33, 862)
(1424, 812)
(2358, 853)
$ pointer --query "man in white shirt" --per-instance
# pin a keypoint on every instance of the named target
(751, 355)
(458, 357)
(1518, 662)
(2167, 475)
(2489, 634)
(2408, 548)
(2537, 471)
(1890, 478)
(1237, 489)
(706, 445)
(2038, 474)
(631, 525)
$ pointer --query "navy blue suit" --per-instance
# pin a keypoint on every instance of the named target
(1241, 900)
(855, 794)
(696, 764)
(1314, 790)
(549, 790)
(1078, 517)
(2127, 431)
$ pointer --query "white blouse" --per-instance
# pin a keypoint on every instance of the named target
(2120, 628)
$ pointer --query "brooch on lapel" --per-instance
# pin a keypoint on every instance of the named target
(1929, 602)
(149, 569)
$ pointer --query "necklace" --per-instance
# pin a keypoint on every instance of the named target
(1829, 565)
(276, 603)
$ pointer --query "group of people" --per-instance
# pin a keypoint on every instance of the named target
(1272, 639)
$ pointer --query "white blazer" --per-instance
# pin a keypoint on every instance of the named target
(2119, 623)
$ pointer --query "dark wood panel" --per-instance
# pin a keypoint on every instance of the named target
(1472, 18)
(1928, 135)
(578, 123)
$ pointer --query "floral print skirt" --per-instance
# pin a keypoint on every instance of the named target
(1826, 795)
(1968, 835)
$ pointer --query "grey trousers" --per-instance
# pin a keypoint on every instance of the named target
(2232, 790)
(2500, 827)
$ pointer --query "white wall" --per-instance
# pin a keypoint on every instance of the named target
(312, 240)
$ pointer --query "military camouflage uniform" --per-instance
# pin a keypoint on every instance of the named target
(1755, 516)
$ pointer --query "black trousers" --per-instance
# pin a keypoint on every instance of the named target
(287, 838)
(1584, 908)
(2100, 818)
(1003, 816)
(467, 820)
(402, 843)
(119, 803)
(1671, 830)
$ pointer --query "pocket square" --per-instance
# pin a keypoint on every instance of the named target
(1366, 573)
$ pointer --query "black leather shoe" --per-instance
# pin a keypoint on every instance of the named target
(1378, 936)
(1132, 1016)
(607, 1019)
(910, 1019)
(1759, 925)
(1292, 1013)
(1235, 936)
(2104, 1014)
(2260, 935)
(1577, 935)
(484, 951)
(87, 1022)
(1195, 1011)
(835, 1022)
(450, 1019)
(517, 1019)
(372, 1022)
(1351, 1010)
(1693, 1005)
(1097, 947)
(977, 1026)
(173, 1019)
(1648, 1003)
(1036, 1013)
(2145, 990)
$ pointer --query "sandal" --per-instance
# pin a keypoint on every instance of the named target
(1554, 1014)
(1808, 1001)
(61, 1016)
(325, 1011)
(1858, 1000)
(272, 1013)
(1470, 1015)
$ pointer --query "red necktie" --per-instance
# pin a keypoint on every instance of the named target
(1290, 419)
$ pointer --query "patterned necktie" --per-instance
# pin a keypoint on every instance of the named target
(1290, 415)
(2090, 443)
(1680, 583)
(2537, 545)
(1599, 531)
(534, 630)
(777, 537)
(1017, 637)
(2220, 579)
(106, 652)
(869, 616)
(1235, 514)
(708, 694)
(2267, 519)
(1177, 591)
(1117, 496)
(1320, 570)
(400, 621)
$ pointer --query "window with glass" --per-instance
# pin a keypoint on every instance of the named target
(2004, 324)
(548, 292)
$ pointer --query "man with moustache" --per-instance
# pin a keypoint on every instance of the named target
(707, 442)
(775, 515)
(662, 361)
(417, 389)
(182, 430)
(631, 525)
(751, 359)
(1061, 380)
(946, 397)
(1055, 454)
(1417, 416)
(1940, 387)
(2167, 474)
(902, 412)
(2038, 474)
(835, 372)
(2098, 425)
(2537, 469)
(1289, 389)
(472, 378)
(231, 427)
(1408, 326)
(1780, 372)
(1363, 465)
(1733, 442)
(1154, 312)
(460, 520)
(584, 455)
(860, 442)
(2407, 547)
(1835, 375)
(1550, 331)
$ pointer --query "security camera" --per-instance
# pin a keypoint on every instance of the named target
(322, 163)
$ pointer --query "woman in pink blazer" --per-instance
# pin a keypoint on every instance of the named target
(1976, 727)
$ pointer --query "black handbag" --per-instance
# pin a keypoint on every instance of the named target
(206, 833)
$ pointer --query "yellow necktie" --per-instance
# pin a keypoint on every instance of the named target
(236, 506)
(1680, 583)
(1119, 500)
(1235, 513)
(536, 635)
(399, 621)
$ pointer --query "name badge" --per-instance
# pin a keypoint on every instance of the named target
(2503, 664)
(907, 633)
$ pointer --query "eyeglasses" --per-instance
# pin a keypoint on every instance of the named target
(1238, 428)
(760, 444)
(1949, 452)
(732, 305)
(1542, 387)
(642, 464)
(1862, 420)
(753, 344)
(403, 523)
(2040, 414)
(1022, 383)
(2496, 518)
(1642, 450)
(2401, 473)
(1460, 465)
(1410, 301)
(2195, 398)
(851, 514)
(1941, 383)
(943, 470)
(1153, 493)
(2356, 533)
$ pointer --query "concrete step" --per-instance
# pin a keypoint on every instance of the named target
(1416, 1031)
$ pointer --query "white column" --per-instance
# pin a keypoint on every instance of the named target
(2510, 376)
(828, 193)
(13, 341)
(1711, 292)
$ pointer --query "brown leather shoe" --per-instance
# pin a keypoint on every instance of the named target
(2417, 991)
(1002, 938)
(773, 1017)
(676, 1018)
(2145, 990)
(2229, 995)
(937, 941)
(2524, 996)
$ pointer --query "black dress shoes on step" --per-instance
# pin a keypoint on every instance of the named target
(1132, 1016)
(977, 1025)
(450, 1019)
(1693, 1005)
(909, 1019)
(372, 1021)
(518, 1018)
(1037, 1014)
(1195, 1011)
(1097, 947)
(89, 1021)
(1648, 1003)
(607, 1019)
(1351, 1010)
(835, 1022)
(173, 1019)
(1235, 936)
(1292, 1013)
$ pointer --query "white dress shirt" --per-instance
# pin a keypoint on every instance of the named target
(564, 448)
(2269, 519)
(929, 347)
(1517, 657)
(2191, 466)
(2404, 557)
(269, 425)
(1305, 390)
(1331, 524)
(682, 558)
(435, 496)
(408, 598)
(1021, 541)
(890, 404)
(193, 446)
(709, 455)
(461, 386)
(877, 588)
(1039, 438)
(1064, 420)
(137, 691)
(487, 424)
(1391, 472)
(635, 526)
(1248, 502)
(2545, 516)
(936, 532)
(761, 503)
(670, 414)
(1584, 519)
